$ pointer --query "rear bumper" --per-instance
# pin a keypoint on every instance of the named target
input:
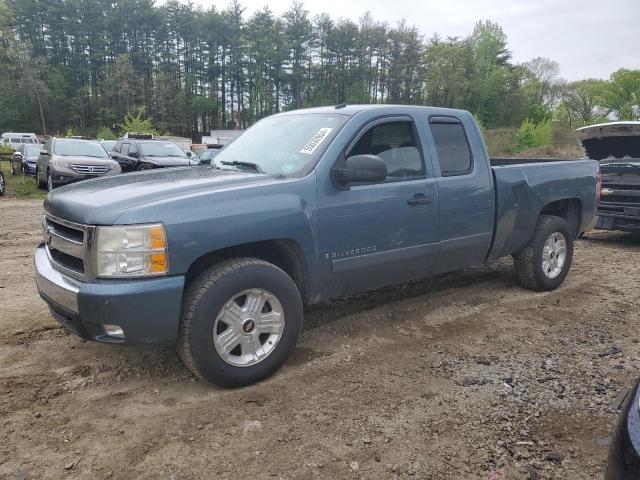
(147, 310)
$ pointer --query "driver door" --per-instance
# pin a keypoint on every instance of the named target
(383, 233)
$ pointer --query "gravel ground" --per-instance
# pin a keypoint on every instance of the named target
(464, 376)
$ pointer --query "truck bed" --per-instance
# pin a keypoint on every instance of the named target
(524, 187)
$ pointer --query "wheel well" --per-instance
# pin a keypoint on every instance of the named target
(570, 209)
(285, 254)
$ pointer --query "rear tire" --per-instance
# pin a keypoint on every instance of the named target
(247, 354)
(545, 262)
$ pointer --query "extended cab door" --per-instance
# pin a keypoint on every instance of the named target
(465, 190)
(378, 234)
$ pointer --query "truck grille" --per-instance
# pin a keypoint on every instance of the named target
(90, 169)
(623, 200)
(68, 245)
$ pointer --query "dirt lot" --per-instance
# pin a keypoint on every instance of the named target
(465, 376)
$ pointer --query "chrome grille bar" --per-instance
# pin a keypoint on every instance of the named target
(89, 169)
(68, 246)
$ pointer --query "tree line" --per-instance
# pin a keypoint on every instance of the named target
(86, 64)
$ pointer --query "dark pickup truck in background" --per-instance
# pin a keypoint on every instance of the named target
(616, 146)
(221, 259)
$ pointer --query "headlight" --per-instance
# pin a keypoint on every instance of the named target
(131, 251)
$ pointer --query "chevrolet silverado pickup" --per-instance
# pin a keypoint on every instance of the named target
(305, 206)
(616, 145)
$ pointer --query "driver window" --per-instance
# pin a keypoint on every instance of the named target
(396, 144)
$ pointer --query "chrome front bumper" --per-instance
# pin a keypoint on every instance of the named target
(57, 287)
(147, 310)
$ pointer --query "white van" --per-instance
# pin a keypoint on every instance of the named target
(15, 139)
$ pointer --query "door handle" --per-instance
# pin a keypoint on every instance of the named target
(420, 199)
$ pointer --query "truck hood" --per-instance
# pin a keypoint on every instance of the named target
(102, 200)
(614, 140)
(169, 161)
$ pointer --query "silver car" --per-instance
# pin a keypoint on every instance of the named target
(66, 160)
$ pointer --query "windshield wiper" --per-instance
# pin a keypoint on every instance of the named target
(236, 163)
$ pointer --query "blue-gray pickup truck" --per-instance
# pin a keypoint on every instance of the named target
(304, 206)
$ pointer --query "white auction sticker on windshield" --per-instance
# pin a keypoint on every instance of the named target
(316, 140)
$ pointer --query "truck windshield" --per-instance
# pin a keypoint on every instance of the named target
(68, 148)
(161, 149)
(283, 145)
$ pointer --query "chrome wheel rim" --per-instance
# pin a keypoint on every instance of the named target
(248, 327)
(554, 255)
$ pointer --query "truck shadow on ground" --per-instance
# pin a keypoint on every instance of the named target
(330, 311)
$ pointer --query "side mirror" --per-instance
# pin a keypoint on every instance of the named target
(18, 154)
(205, 161)
(134, 155)
(361, 169)
(44, 153)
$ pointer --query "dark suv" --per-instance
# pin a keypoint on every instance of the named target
(143, 154)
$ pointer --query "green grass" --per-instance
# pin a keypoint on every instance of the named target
(19, 186)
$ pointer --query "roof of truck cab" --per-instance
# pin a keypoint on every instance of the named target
(354, 109)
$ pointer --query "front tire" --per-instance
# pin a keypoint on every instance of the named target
(241, 320)
(545, 262)
(41, 184)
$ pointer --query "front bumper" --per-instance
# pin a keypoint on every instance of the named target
(147, 310)
(624, 223)
(65, 176)
(29, 168)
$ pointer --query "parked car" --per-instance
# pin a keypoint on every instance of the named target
(206, 156)
(616, 146)
(623, 462)
(143, 154)
(66, 160)
(221, 260)
(15, 139)
(108, 144)
(25, 158)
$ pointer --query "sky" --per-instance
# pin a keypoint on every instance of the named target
(588, 38)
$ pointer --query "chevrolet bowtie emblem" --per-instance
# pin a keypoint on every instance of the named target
(606, 191)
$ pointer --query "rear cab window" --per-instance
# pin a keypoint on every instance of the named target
(452, 146)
